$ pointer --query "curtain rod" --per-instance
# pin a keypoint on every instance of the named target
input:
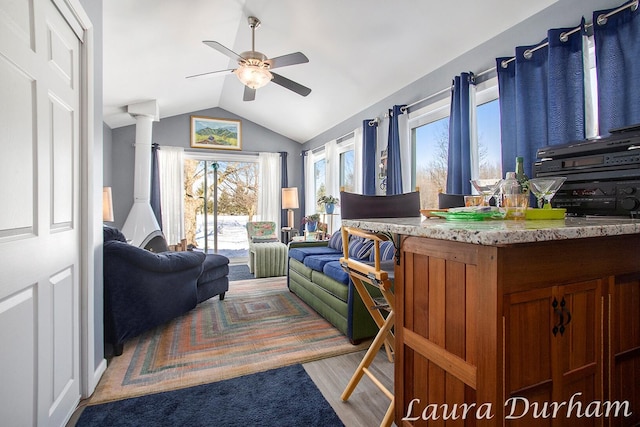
(601, 20)
(440, 92)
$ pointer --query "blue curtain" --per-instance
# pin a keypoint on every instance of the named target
(618, 66)
(369, 147)
(459, 158)
(394, 168)
(284, 183)
(156, 205)
(541, 97)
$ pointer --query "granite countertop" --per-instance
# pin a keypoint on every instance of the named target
(501, 232)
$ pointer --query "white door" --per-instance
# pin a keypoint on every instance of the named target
(40, 225)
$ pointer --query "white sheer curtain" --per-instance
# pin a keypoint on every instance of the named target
(357, 155)
(473, 133)
(171, 169)
(269, 205)
(383, 141)
(310, 185)
(405, 151)
(332, 171)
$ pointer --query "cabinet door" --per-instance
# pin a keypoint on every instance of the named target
(529, 344)
(624, 344)
(578, 372)
(553, 353)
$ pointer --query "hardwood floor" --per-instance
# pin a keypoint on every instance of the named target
(367, 405)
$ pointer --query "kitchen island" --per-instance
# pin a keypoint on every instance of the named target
(516, 322)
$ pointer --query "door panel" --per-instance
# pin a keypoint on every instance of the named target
(39, 227)
(18, 359)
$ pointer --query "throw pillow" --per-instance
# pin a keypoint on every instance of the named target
(360, 248)
(335, 241)
(387, 251)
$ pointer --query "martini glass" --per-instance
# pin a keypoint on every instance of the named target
(545, 188)
(486, 187)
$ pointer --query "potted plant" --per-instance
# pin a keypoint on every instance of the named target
(311, 221)
(330, 203)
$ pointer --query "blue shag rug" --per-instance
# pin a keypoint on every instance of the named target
(239, 272)
(280, 397)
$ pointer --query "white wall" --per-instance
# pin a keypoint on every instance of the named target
(564, 13)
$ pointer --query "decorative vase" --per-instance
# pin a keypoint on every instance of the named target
(329, 207)
(312, 226)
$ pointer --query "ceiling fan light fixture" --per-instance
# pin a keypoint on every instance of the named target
(253, 76)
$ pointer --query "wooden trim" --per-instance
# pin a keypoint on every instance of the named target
(449, 362)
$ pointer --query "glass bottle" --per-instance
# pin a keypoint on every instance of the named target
(510, 190)
(523, 180)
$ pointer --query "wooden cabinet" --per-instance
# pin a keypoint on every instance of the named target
(623, 330)
(553, 347)
(475, 330)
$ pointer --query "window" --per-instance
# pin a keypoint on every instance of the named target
(346, 162)
(221, 196)
(430, 142)
(429, 153)
(347, 172)
(489, 146)
(319, 181)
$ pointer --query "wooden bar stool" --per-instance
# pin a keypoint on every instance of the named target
(364, 277)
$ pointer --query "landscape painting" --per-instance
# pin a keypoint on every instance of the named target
(222, 134)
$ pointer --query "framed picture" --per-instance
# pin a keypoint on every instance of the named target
(221, 134)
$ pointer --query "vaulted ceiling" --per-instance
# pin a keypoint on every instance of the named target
(360, 51)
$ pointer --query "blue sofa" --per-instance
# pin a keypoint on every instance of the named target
(143, 289)
(314, 274)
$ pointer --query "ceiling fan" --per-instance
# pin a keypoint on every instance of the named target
(254, 68)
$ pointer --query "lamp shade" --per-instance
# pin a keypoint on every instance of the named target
(107, 205)
(290, 198)
(253, 76)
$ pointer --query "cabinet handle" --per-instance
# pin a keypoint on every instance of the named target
(562, 304)
(559, 326)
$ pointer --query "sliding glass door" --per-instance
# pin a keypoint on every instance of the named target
(220, 198)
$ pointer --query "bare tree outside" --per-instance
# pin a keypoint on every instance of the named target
(432, 139)
(237, 191)
(431, 171)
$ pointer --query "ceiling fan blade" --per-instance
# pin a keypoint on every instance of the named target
(249, 94)
(209, 74)
(290, 84)
(290, 59)
(226, 51)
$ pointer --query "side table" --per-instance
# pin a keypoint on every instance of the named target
(287, 234)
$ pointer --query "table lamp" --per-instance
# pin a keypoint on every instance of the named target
(107, 205)
(290, 202)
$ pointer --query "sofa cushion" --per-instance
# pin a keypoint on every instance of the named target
(264, 239)
(296, 267)
(214, 267)
(336, 289)
(360, 248)
(302, 252)
(334, 270)
(317, 262)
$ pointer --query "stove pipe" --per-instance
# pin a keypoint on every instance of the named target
(141, 226)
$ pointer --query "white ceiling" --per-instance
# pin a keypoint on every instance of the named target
(360, 51)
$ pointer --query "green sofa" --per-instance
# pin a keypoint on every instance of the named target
(314, 274)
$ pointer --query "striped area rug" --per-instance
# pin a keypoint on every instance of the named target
(260, 325)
